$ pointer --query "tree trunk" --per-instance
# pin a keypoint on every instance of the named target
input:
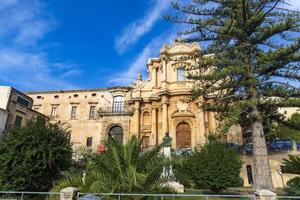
(262, 173)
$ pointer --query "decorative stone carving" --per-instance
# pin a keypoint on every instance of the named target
(182, 107)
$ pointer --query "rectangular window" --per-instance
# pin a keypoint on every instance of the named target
(54, 111)
(18, 121)
(181, 74)
(249, 174)
(92, 112)
(74, 112)
(22, 101)
(89, 141)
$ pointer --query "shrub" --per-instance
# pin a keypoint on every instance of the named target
(32, 158)
(214, 166)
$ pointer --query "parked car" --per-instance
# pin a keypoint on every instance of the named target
(280, 144)
(183, 152)
(235, 146)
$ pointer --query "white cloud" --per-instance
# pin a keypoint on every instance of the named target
(134, 31)
(294, 4)
(22, 62)
(139, 63)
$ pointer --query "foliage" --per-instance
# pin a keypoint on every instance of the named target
(293, 186)
(122, 168)
(288, 129)
(32, 158)
(181, 170)
(292, 165)
(249, 62)
(214, 166)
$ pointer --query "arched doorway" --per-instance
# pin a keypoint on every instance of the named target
(183, 136)
(116, 132)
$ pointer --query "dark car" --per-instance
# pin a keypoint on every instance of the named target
(237, 147)
(280, 145)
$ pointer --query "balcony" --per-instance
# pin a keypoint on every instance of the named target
(109, 111)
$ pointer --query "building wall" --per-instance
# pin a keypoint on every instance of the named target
(4, 96)
(15, 106)
(3, 119)
(275, 161)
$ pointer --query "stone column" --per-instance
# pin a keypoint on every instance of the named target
(69, 193)
(212, 122)
(164, 77)
(154, 126)
(165, 115)
(155, 76)
(137, 118)
(265, 195)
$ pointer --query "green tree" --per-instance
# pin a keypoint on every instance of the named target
(289, 129)
(32, 158)
(250, 55)
(292, 165)
(122, 168)
(214, 166)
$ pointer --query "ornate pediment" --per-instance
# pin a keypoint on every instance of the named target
(179, 48)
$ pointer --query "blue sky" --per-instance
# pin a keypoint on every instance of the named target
(68, 44)
(47, 45)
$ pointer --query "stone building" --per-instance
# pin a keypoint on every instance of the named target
(148, 108)
(15, 109)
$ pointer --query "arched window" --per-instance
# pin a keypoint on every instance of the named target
(117, 133)
(181, 74)
(118, 104)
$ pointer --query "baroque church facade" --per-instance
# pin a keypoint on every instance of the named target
(148, 108)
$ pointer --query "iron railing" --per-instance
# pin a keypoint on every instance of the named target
(13, 195)
(111, 110)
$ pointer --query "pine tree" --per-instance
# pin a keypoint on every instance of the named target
(255, 58)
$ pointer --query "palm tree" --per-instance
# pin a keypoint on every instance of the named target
(121, 169)
(292, 165)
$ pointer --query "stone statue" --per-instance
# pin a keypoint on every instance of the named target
(167, 169)
(140, 77)
(167, 140)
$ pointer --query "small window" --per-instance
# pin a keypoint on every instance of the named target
(36, 108)
(39, 97)
(181, 74)
(89, 141)
(75, 95)
(56, 96)
(94, 94)
(54, 111)
(74, 112)
(18, 121)
(92, 112)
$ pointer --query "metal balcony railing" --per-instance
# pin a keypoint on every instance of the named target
(111, 110)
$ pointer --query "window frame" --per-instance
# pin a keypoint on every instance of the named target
(181, 74)
(74, 112)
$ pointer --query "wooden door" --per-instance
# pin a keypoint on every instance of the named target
(183, 136)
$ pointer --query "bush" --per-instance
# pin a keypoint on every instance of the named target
(293, 187)
(32, 158)
(214, 166)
